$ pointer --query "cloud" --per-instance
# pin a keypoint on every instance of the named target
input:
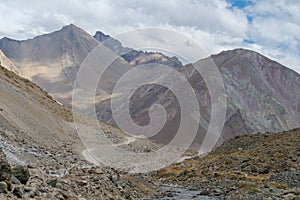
(275, 28)
(272, 27)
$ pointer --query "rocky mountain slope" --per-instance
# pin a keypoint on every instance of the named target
(260, 166)
(262, 95)
(41, 154)
(5, 62)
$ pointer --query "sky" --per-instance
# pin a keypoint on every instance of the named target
(266, 26)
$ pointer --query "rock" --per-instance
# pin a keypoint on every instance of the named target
(96, 171)
(18, 192)
(31, 191)
(289, 196)
(218, 191)
(57, 195)
(204, 192)
(21, 173)
(170, 195)
(3, 187)
(5, 170)
(42, 190)
(65, 194)
(15, 180)
(260, 169)
(52, 182)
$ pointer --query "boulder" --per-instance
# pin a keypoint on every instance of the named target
(3, 187)
(21, 173)
(18, 192)
(5, 171)
(52, 182)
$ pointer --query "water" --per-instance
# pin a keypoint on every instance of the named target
(184, 194)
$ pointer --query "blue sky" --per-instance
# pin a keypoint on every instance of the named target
(239, 3)
(267, 26)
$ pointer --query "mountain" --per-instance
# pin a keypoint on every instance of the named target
(135, 57)
(41, 153)
(262, 96)
(52, 60)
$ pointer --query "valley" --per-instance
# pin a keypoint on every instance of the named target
(49, 150)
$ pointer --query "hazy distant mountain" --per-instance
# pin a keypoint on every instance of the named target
(135, 57)
(52, 60)
(112, 43)
(262, 95)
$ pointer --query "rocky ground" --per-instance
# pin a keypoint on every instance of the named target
(260, 166)
(59, 173)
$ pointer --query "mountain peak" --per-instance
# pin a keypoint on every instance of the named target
(242, 54)
(236, 51)
(71, 27)
(100, 36)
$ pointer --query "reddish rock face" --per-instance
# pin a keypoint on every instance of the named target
(262, 96)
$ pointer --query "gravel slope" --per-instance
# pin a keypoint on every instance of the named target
(256, 166)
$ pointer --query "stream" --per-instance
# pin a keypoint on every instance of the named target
(176, 193)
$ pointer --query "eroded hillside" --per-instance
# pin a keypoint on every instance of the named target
(41, 156)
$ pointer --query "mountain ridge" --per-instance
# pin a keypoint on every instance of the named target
(262, 93)
(52, 60)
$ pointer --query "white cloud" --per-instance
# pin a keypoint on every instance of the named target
(275, 27)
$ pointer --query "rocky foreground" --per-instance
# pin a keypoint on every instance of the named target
(260, 166)
(59, 173)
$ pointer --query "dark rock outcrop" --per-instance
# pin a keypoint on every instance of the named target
(5, 173)
(21, 173)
